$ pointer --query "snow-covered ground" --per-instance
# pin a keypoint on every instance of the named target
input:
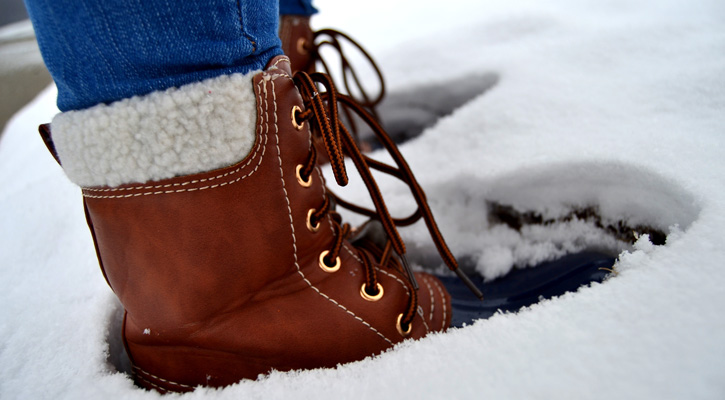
(618, 105)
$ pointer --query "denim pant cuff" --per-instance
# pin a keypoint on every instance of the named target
(101, 51)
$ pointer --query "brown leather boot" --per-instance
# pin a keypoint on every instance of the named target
(231, 273)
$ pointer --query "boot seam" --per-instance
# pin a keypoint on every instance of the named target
(432, 297)
(443, 300)
(289, 209)
(396, 278)
(422, 318)
(284, 59)
(148, 374)
(148, 382)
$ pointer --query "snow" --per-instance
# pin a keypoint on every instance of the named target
(613, 104)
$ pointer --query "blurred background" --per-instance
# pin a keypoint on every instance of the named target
(12, 11)
(22, 73)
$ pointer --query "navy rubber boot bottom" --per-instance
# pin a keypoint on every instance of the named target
(524, 287)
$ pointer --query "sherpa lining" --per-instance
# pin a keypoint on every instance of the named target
(195, 128)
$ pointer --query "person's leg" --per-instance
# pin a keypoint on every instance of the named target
(104, 51)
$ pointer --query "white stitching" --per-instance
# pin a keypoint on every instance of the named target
(422, 317)
(351, 253)
(443, 299)
(294, 238)
(160, 379)
(432, 298)
(396, 278)
(283, 59)
(157, 387)
(275, 76)
(89, 189)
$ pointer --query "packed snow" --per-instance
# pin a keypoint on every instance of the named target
(616, 105)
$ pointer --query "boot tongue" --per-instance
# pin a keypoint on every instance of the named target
(280, 62)
(298, 42)
(373, 231)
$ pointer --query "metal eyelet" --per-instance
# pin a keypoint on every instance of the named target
(368, 297)
(298, 126)
(310, 227)
(403, 333)
(302, 46)
(302, 182)
(326, 267)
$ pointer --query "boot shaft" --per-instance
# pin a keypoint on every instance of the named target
(183, 250)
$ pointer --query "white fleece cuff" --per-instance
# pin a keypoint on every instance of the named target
(179, 131)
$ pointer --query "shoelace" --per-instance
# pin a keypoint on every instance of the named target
(332, 38)
(321, 109)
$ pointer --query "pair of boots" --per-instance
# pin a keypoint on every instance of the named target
(221, 239)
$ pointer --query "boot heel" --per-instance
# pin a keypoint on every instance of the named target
(150, 381)
(182, 368)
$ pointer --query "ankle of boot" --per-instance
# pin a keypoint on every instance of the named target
(194, 128)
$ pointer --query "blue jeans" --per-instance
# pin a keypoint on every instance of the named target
(296, 7)
(100, 51)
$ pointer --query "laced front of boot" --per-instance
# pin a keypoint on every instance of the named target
(322, 111)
